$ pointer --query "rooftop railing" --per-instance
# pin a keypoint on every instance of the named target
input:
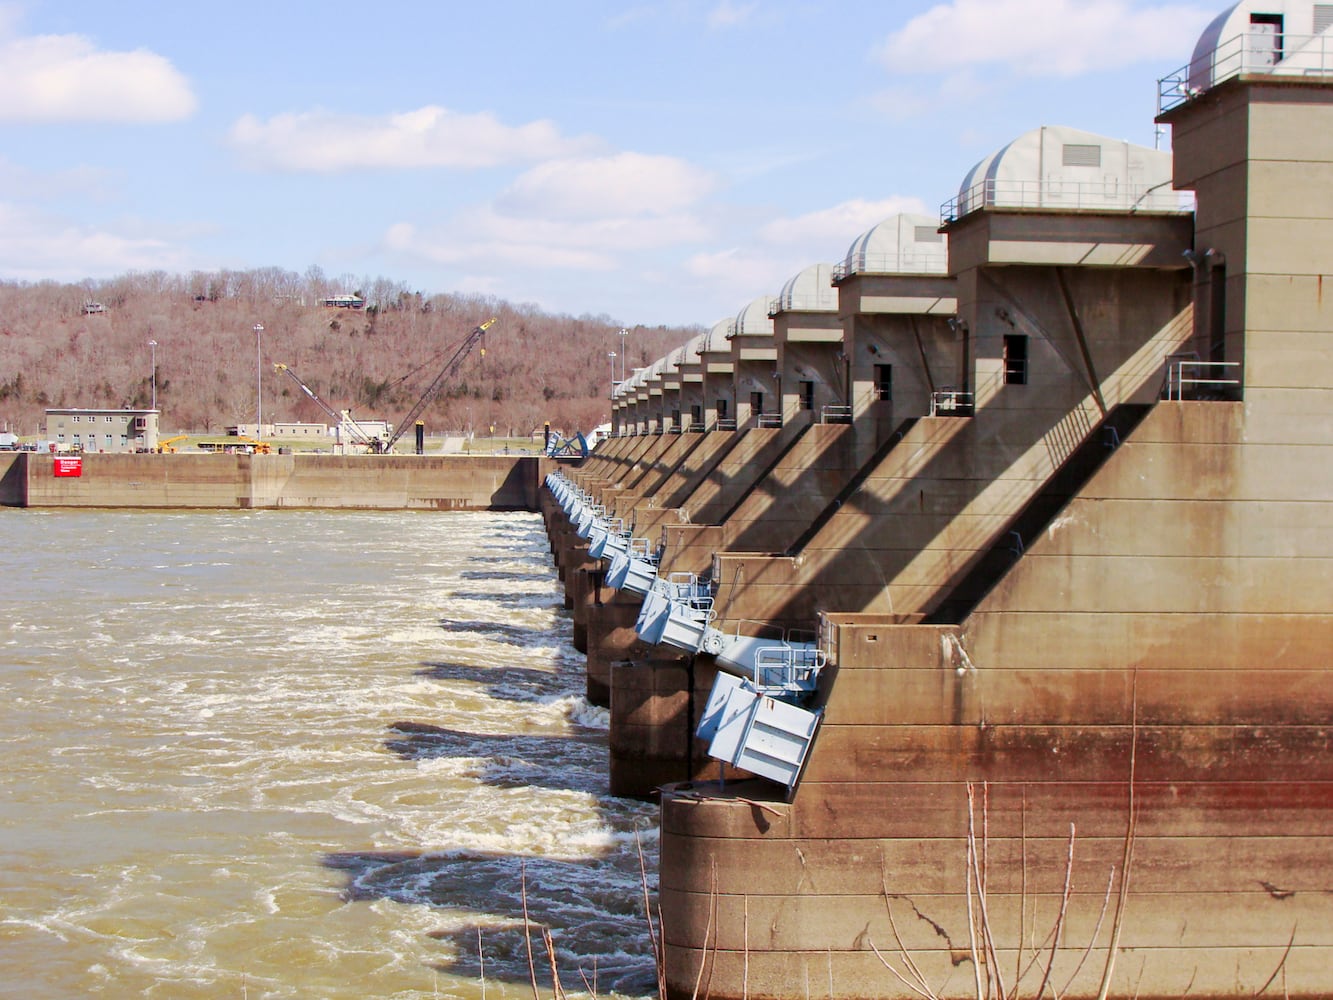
(1286, 55)
(821, 301)
(1105, 195)
(931, 261)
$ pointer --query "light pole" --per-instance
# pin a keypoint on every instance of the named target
(259, 382)
(612, 356)
(152, 346)
(623, 334)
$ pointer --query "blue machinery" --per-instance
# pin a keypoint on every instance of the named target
(755, 717)
(559, 446)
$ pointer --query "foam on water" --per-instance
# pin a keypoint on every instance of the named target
(283, 754)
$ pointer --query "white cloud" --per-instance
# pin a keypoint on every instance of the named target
(1041, 37)
(572, 214)
(34, 246)
(65, 78)
(727, 14)
(618, 186)
(431, 136)
(739, 271)
(842, 222)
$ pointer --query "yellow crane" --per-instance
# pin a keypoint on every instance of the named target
(165, 446)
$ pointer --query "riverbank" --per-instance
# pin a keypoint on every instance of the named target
(248, 482)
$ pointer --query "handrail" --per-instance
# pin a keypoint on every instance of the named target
(768, 420)
(1301, 56)
(1105, 195)
(1190, 378)
(933, 260)
(835, 414)
(951, 403)
(726, 423)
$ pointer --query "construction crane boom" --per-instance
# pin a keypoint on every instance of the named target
(450, 369)
(363, 438)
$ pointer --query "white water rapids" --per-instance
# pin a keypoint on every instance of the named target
(295, 754)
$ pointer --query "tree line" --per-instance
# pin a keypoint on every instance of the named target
(93, 344)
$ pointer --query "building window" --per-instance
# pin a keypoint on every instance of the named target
(124, 441)
(61, 438)
(721, 409)
(675, 418)
(807, 394)
(756, 402)
(1015, 359)
(883, 383)
(108, 418)
(77, 418)
(696, 413)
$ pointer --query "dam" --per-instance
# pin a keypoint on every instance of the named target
(968, 602)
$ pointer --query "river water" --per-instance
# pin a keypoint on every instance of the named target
(294, 754)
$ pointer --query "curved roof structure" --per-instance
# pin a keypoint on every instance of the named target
(901, 244)
(809, 291)
(1262, 36)
(1057, 167)
(716, 338)
(753, 320)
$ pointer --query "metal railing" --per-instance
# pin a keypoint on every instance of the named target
(726, 423)
(821, 301)
(768, 420)
(934, 260)
(1274, 55)
(951, 403)
(835, 414)
(1105, 195)
(1190, 378)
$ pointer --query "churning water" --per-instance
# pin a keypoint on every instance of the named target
(291, 754)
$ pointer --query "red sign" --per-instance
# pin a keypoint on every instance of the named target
(69, 466)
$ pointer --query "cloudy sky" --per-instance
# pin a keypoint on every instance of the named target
(658, 162)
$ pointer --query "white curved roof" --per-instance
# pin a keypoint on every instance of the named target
(1263, 36)
(810, 291)
(753, 320)
(901, 244)
(1055, 166)
(716, 338)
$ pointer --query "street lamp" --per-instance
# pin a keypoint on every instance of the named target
(612, 356)
(623, 334)
(259, 383)
(152, 346)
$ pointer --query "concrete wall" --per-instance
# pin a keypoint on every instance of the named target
(388, 482)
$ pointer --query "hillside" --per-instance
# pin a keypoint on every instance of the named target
(376, 361)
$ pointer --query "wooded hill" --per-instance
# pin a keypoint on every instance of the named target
(56, 349)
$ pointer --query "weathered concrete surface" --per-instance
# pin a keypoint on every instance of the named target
(388, 482)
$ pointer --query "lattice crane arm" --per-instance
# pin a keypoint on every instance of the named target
(450, 369)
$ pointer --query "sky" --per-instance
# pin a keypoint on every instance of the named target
(662, 162)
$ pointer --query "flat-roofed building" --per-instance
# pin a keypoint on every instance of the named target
(124, 430)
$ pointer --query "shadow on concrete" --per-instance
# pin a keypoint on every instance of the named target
(588, 905)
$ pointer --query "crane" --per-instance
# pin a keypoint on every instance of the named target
(370, 442)
(450, 369)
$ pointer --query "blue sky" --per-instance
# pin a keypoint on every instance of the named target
(657, 162)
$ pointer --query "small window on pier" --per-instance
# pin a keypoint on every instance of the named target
(1015, 359)
(807, 394)
(883, 383)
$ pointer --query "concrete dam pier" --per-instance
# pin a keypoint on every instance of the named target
(968, 603)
